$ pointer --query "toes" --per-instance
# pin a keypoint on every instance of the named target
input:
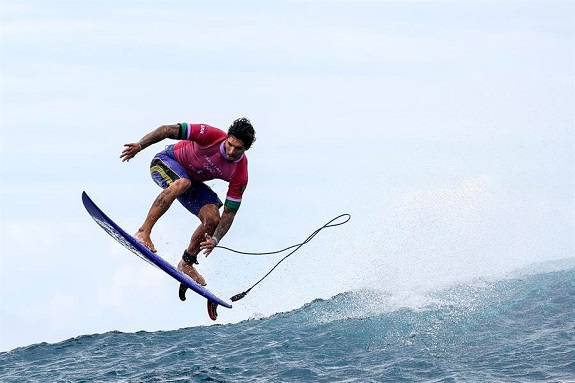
(199, 279)
(149, 245)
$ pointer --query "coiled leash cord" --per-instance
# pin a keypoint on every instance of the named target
(239, 296)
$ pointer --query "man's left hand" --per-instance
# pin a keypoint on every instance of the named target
(208, 245)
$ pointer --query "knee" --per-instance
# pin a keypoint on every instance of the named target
(180, 185)
(211, 219)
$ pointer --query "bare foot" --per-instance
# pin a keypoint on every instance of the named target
(191, 272)
(145, 240)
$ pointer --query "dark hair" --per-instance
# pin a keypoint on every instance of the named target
(242, 129)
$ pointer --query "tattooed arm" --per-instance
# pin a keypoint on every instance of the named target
(157, 135)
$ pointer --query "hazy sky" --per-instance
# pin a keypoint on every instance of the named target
(444, 128)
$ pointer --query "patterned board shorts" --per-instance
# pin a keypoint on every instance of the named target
(165, 170)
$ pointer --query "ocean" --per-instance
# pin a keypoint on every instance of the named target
(520, 328)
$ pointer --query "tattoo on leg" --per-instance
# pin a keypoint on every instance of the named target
(161, 200)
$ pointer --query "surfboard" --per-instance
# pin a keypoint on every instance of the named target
(143, 252)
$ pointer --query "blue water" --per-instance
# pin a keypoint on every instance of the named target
(519, 329)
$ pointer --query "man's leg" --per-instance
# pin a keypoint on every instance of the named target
(210, 217)
(159, 207)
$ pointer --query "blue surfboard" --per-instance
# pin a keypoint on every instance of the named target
(143, 252)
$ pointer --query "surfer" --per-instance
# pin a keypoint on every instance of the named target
(202, 153)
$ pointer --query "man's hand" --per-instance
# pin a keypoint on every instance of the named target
(130, 151)
(208, 245)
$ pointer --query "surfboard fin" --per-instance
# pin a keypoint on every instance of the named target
(212, 310)
(182, 292)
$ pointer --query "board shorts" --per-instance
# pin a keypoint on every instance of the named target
(165, 170)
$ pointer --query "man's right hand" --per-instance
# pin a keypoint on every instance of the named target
(130, 151)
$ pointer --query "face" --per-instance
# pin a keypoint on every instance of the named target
(234, 148)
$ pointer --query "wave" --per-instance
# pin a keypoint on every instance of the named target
(520, 328)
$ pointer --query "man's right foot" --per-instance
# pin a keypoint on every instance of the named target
(144, 240)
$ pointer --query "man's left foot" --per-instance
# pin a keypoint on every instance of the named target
(191, 272)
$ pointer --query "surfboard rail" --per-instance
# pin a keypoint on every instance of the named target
(143, 252)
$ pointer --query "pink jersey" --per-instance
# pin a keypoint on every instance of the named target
(201, 152)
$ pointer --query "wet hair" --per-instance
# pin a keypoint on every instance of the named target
(242, 129)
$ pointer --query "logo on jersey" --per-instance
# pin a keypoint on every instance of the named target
(211, 167)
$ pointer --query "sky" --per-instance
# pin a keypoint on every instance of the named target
(445, 129)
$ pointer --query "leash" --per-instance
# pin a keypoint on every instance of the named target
(295, 248)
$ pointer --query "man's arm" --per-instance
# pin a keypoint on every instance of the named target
(225, 223)
(157, 135)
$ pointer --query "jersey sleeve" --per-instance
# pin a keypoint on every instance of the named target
(203, 134)
(237, 186)
(184, 132)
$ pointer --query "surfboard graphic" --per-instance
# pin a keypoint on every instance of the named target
(143, 252)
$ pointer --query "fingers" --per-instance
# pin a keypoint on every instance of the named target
(208, 245)
(129, 152)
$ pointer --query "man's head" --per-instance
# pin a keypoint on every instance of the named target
(243, 130)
